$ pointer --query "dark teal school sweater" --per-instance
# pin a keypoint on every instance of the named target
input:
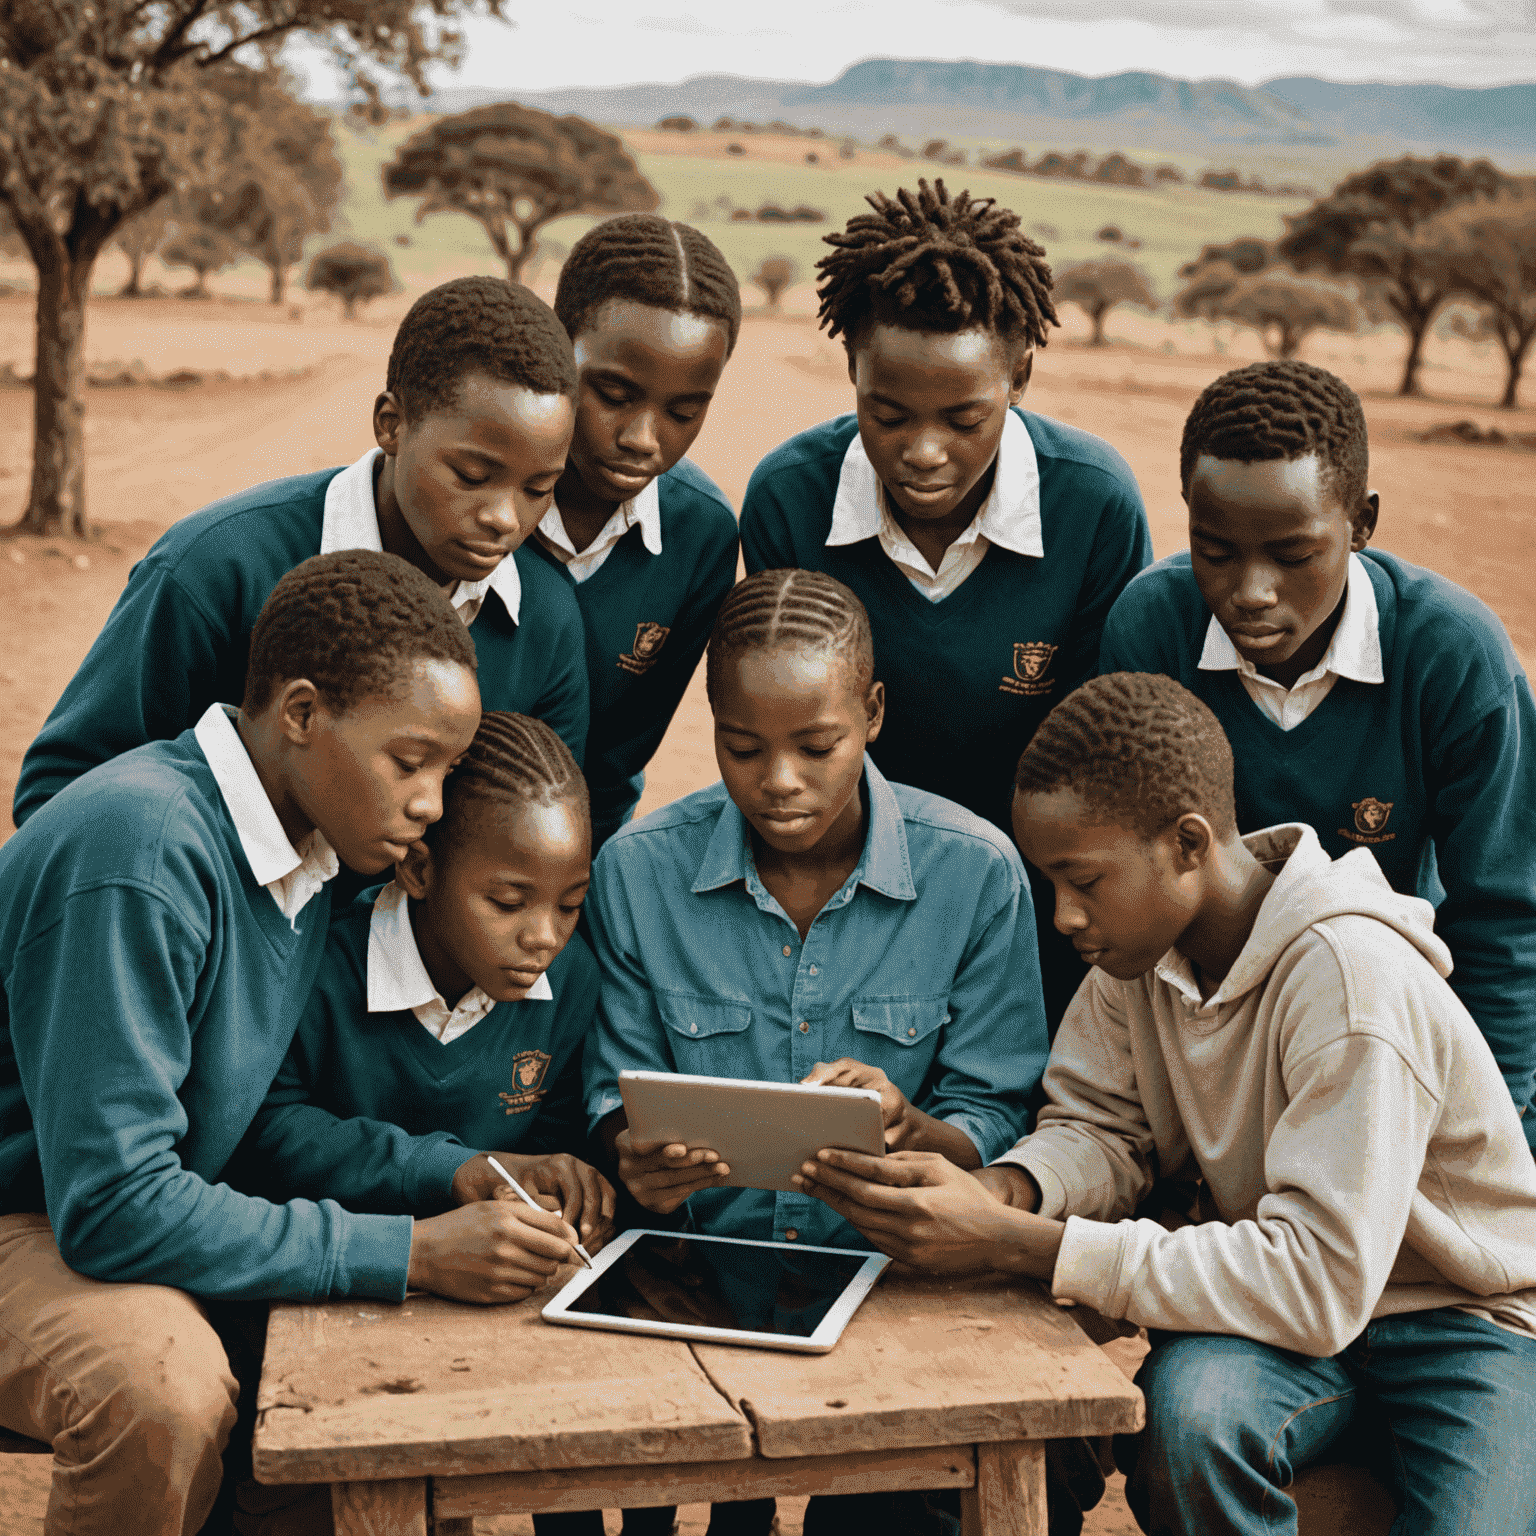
(969, 679)
(1433, 770)
(370, 1109)
(648, 618)
(178, 638)
(150, 992)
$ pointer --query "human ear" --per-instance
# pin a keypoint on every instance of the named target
(388, 419)
(1023, 368)
(1195, 840)
(297, 709)
(874, 711)
(1363, 524)
(415, 871)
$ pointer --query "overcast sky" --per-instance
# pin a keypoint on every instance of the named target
(605, 42)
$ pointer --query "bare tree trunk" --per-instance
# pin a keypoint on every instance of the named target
(496, 232)
(1410, 383)
(278, 290)
(349, 306)
(136, 262)
(1515, 356)
(56, 501)
(1097, 315)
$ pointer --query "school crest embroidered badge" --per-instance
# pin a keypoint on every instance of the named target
(528, 1069)
(1031, 662)
(649, 639)
(1370, 821)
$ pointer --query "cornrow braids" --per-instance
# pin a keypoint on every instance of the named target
(926, 262)
(512, 758)
(477, 325)
(648, 260)
(1140, 749)
(776, 610)
(1282, 409)
(351, 622)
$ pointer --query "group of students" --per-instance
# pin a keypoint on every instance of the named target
(1239, 1055)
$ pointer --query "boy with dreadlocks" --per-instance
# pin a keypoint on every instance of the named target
(1377, 702)
(1275, 1024)
(986, 542)
(471, 433)
(646, 537)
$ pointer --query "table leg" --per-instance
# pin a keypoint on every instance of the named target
(1009, 1496)
(396, 1508)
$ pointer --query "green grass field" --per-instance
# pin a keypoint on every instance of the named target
(1172, 225)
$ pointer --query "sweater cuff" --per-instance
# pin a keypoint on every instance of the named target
(375, 1258)
(1053, 1193)
(429, 1175)
(1091, 1264)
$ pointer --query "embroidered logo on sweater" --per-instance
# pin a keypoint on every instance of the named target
(1370, 819)
(1031, 662)
(528, 1069)
(649, 639)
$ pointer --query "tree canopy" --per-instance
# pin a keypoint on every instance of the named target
(1097, 286)
(353, 273)
(1282, 306)
(1365, 229)
(507, 164)
(775, 275)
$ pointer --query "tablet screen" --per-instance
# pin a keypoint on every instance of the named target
(677, 1279)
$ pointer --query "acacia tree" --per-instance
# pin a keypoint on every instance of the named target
(775, 275)
(1283, 307)
(203, 249)
(104, 110)
(138, 239)
(508, 164)
(1097, 286)
(353, 273)
(1365, 229)
(1489, 251)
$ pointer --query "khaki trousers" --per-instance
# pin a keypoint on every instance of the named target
(133, 1388)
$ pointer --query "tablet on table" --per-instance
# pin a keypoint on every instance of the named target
(720, 1290)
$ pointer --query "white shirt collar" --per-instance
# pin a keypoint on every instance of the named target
(644, 508)
(352, 522)
(1354, 652)
(289, 876)
(397, 975)
(1010, 516)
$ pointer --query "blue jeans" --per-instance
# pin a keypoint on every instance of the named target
(1230, 1422)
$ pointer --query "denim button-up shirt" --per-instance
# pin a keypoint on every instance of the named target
(924, 964)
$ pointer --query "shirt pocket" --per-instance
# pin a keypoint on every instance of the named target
(900, 1023)
(707, 1034)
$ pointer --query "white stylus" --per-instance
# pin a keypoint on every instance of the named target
(527, 1199)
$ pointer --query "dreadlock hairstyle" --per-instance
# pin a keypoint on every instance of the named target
(1140, 749)
(927, 262)
(648, 260)
(351, 622)
(1282, 410)
(775, 610)
(512, 758)
(477, 325)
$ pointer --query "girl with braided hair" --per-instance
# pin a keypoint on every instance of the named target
(1375, 701)
(806, 920)
(987, 543)
(643, 537)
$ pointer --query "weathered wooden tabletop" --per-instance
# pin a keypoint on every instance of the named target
(501, 1411)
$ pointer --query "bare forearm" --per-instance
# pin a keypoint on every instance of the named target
(927, 1134)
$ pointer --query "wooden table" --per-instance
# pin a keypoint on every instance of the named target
(424, 1415)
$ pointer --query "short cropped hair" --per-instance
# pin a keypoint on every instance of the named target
(1139, 749)
(513, 759)
(790, 609)
(477, 325)
(928, 262)
(653, 261)
(351, 622)
(1282, 409)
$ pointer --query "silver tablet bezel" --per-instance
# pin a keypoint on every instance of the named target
(827, 1333)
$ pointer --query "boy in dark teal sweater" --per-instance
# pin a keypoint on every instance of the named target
(1377, 702)
(647, 539)
(987, 543)
(161, 922)
(472, 432)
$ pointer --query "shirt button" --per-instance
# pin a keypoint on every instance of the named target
(786, 949)
(814, 971)
(790, 1234)
(805, 1028)
(911, 1033)
(693, 1029)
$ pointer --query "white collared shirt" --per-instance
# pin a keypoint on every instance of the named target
(1354, 652)
(289, 875)
(1010, 515)
(397, 978)
(352, 522)
(643, 508)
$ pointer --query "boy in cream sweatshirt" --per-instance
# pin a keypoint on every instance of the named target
(1274, 1026)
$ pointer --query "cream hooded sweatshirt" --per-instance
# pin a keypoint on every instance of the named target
(1360, 1152)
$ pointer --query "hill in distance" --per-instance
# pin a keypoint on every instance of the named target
(965, 98)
